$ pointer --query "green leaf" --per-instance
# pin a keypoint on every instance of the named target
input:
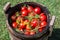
(17, 22)
(30, 17)
(17, 30)
(30, 27)
(36, 30)
(36, 16)
(26, 17)
(17, 13)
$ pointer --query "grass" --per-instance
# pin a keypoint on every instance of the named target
(52, 5)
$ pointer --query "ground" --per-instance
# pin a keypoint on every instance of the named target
(52, 5)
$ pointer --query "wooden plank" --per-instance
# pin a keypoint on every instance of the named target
(12, 37)
(8, 4)
(51, 25)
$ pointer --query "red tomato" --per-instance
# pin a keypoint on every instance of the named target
(28, 28)
(42, 14)
(30, 8)
(43, 24)
(22, 25)
(26, 20)
(37, 10)
(14, 24)
(27, 33)
(40, 30)
(24, 13)
(43, 17)
(20, 29)
(18, 18)
(24, 8)
(32, 32)
(34, 23)
(13, 17)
